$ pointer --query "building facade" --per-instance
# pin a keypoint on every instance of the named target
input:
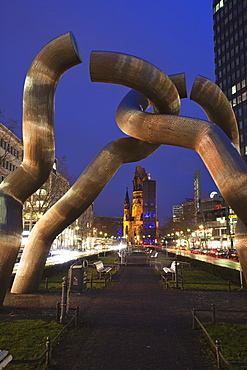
(214, 228)
(108, 227)
(140, 223)
(230, 47)
(11, 155)
(11, 149)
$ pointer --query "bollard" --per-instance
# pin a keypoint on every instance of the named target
(46, 283)
(48, 351)
(213, 313)
(229, 285)
(193, 318)
(64, 300)
(91, 281)
(76, 316)
(167, 283)
(57, 311)
(176, 275)
(182, 282)
(218, 350)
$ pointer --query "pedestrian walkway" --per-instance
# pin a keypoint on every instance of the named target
(134, 325)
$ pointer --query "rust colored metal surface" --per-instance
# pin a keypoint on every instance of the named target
(129, 71)
(216, 106)
(72, 205)
(136, 73)
(215, 147)
(38, 133)
(219, 155)
(217, 143)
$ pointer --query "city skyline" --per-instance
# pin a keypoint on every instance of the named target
(175, 37)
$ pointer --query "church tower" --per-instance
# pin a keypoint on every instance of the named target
(137, 203)
(141, 223)
(127, 217)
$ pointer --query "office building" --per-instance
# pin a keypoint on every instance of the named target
(230, 46)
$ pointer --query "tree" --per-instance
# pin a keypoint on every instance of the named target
(11, 124)
(48, 194)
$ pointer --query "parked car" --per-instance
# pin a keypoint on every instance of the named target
(195, 250)
(221, 253)
(233, 254)
(213, 252)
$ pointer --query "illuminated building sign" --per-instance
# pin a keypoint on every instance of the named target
(218, 206)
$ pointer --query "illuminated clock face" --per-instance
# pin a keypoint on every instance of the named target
(213, 193)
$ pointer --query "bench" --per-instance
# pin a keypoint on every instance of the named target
(154, 255)
(5, 358)
(101, 269)
(172, 268)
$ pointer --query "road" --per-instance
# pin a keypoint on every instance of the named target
(64, 255)
(223, 262)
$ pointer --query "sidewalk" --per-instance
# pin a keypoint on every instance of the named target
(134, 324)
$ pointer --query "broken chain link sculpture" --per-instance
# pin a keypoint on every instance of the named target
(217, 142)
(97, 174)
(214, 141)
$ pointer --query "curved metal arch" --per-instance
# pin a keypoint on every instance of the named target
(216, 150)
(38, 116)
(138, 74)
(38, 111)
(72, 205)
(126, 70)
(216, 106)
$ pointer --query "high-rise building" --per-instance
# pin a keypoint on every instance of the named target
(140, 222)
(177, 213)
(230, 46)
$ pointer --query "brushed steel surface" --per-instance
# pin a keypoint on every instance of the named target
(115, 68)
(38, 139)
(213, 142)
(217, 142)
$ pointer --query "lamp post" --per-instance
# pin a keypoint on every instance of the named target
(188, 238)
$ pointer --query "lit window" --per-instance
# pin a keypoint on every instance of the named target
(219, 5)
(234, 89)
(245, 150)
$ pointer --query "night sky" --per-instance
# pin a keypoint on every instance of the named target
(176, 36)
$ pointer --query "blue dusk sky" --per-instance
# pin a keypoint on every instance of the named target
(176, 36)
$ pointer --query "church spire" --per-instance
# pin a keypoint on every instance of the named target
(127, 200)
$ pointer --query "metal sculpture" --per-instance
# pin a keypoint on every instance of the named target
(215, 147)
(98, 173)
(212, 141)
(38, 138)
